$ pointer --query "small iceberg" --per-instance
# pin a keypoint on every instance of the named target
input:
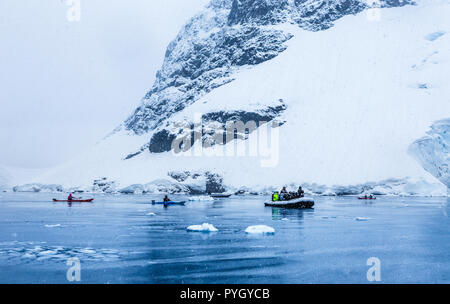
(151, 214)
(205, 227)
(260, 229)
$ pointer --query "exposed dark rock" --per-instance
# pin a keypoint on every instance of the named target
(214, 183)
(179, 176)
(261, 12)
(103, 185)
(161, 142)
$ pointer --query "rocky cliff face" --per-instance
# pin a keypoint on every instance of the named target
(213, 45)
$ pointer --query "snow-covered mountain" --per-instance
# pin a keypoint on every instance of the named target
(344, 86)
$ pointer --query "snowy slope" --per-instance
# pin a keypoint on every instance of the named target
(11, 176)
(4, 179)
(355, 95)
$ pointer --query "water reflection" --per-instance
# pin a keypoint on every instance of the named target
(284, 214)
(446, 207)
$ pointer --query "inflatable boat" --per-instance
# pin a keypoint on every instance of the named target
(220, 195)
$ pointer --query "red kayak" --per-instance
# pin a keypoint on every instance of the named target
(366, 198)
(74, 201)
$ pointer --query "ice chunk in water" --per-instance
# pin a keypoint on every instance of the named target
(205, 227)
(260, 229)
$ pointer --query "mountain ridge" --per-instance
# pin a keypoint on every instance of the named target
(352, 98)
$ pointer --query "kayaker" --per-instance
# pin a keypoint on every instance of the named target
(166, 199)
(70, 197)
(275, 196)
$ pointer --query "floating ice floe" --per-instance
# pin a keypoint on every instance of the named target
(260, 229)
(151, 214)
(201, 198)
(205, 227)
(31, 251)
(362, 218)
(87, 251)
(52, 225)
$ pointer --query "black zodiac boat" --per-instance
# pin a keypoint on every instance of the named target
(299, 203)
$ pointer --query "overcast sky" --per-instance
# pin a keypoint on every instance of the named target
(65, 85)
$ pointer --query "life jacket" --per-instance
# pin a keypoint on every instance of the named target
(275, 197)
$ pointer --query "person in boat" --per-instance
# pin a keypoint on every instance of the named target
(275, 196)
(166, 199)
(371, 196)
(283, 193)
(300, 192)
(70, 197)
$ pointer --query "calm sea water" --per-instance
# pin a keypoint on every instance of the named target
(125, 239)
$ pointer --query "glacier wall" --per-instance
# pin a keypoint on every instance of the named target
(432, 151)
